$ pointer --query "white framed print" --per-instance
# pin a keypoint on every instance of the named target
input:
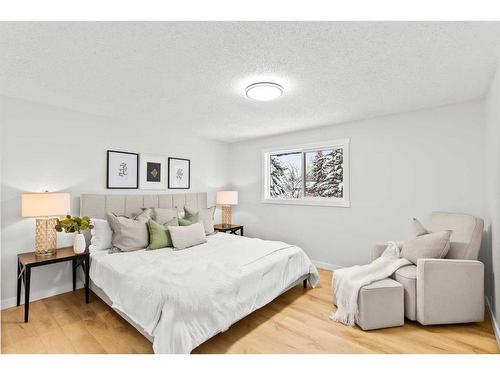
(179, 173)
(152, 172)
(122, 170)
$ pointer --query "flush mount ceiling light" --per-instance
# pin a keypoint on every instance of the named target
(264, 91)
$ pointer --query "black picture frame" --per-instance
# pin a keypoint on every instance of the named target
(108, 152)
(189, 174)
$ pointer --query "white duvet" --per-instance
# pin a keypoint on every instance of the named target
(182, 298)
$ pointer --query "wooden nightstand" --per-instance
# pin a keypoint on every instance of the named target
(231, 228)
(26, 261)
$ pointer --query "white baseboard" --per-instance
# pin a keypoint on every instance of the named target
(326, 266)
(10, 302)
(494, 323)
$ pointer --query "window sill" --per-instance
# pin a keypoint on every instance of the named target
(308, 202)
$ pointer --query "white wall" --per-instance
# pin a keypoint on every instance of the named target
(402, 166)
(48, 148)
(492, 189)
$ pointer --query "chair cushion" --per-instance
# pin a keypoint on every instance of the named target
(407, 276)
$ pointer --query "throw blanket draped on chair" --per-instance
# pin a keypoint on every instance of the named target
(348, 281)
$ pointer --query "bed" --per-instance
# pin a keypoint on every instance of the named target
(179, 299)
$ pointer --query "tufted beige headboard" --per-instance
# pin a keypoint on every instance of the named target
(96, 205)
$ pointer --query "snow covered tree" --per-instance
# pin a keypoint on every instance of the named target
(328, 174)
(332, 184)
(293, 182)
(278, 179)
(317, 173)
(286, 180)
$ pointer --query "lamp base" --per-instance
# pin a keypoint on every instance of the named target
(45, 237)
(226, 214)
(45, 254)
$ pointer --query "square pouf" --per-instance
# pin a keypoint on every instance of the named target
(381, 305)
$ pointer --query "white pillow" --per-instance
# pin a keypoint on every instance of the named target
(101, 235)
(184, 237)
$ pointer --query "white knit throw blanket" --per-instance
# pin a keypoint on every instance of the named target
(347, 282)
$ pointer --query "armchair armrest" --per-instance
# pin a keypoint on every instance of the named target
(450, 291)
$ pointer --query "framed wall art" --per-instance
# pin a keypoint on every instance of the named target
(179, 173)
(122, 170)
(153, 172)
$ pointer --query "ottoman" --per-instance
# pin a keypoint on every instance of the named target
(381, 305)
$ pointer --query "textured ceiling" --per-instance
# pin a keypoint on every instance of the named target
(192, 75)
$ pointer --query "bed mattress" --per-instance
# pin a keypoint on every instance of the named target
(182, 298)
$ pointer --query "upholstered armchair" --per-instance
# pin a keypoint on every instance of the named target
(449, 290)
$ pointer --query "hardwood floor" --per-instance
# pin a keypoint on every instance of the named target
(296, 322)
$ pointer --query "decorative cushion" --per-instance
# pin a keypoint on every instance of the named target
(417, 229)
(163, 215)
(205, 216)
(185, 222)
(433, 245)
(144, 215)
(159, 235)
(102, 235)
(129, 234)
(187, 236)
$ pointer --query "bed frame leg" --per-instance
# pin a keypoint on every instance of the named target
(304, 284)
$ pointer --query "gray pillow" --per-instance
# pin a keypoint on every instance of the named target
(164, 215)
(417, 229)
(432, 245)
(184, 237)
(205, 216)
(129, 234)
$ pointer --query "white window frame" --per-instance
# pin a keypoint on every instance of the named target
(308, 201)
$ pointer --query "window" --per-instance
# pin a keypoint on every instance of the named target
(313, 174)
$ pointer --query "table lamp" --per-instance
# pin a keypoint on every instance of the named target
(44, 206)
(226, 199)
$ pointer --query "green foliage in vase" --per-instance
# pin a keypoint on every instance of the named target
(73, 224)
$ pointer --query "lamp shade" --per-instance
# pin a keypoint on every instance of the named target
(227, 197)
(44, 204)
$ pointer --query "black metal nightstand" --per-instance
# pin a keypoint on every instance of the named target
(231, 228)
(26, 261)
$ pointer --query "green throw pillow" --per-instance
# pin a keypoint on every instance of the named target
(192, 220)
(159, 235)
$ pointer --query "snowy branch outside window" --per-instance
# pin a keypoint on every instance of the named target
(286, 175)
(314, 174)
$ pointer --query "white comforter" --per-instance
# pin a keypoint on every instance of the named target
(182, 298)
